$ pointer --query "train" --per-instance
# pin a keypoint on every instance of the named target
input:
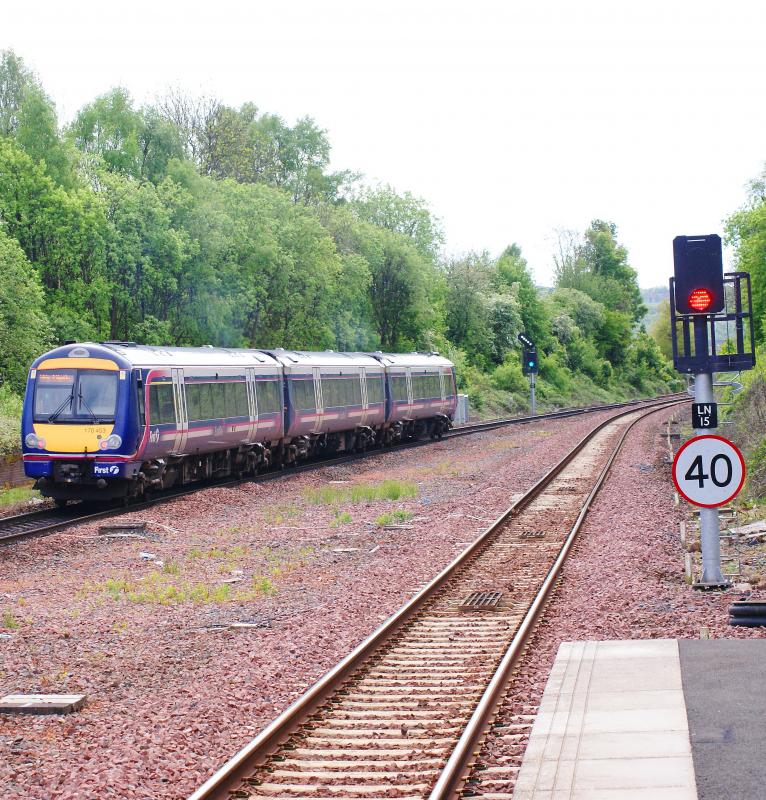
(118, 420)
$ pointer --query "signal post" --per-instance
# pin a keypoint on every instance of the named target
(529, 367)
(698, 309)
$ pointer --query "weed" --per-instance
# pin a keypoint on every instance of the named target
(171, 568)
(263, 585)
(120, 626)
(340, 518)
(362, 493)
(195, 552)
(9, 621)
(392, 518)
(278, 515)
(19, 494)
(155, 589)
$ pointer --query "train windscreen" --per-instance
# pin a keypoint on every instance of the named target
(75, 395)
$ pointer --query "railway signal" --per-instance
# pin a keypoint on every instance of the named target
(529, 366)
(699, 312)
(698, 267)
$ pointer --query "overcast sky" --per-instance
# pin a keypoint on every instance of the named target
(512, 119)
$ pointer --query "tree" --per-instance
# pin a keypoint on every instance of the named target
(468, 311)
(28, 116)
(746, 231)
(63, 234)
(512, 269)
(24, 328)
(661, 332)
(15, 81)
(397, 291)
(404, 214)
(131, 142)
(598, 266)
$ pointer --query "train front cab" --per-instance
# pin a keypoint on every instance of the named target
(80, 424)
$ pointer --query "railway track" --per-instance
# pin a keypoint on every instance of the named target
(48, 520)
(402, 716)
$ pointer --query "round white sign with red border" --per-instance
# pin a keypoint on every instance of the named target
(708, 471)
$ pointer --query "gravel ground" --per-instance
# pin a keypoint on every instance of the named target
(172, 691)
(625, 580)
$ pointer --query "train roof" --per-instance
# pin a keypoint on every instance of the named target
(413, 360)
(325, 358)
(129, 354)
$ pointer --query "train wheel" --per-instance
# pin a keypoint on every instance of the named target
(59, 503)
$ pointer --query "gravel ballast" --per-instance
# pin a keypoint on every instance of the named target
(143, 626)
(625, 580)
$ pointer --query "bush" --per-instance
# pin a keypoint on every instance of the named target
(509, 376)
(10, 421)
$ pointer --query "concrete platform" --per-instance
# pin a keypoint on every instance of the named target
(655, 719)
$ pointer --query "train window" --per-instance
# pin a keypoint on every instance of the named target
(374, 388)
(236, 399)
(303, 395)
(161, 408)
(399, 387)
(330, 387)
(218, 392)
(355, 389)
(268, 396)
(192, 401)
(205, 401)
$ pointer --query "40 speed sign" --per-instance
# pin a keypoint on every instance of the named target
(708, 471)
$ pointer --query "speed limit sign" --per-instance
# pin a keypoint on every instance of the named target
(708, 471)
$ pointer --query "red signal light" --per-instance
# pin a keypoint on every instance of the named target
(700, 300)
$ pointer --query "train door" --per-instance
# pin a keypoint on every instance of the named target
(252, 404)
(409, 388)
(318, 399)
(365, 401)
(182, 418)
(442, 384)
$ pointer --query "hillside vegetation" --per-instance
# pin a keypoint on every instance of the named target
(190, 222)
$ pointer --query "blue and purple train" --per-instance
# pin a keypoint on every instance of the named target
(117, 419)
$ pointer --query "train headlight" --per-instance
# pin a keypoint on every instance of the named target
(103, 444)
(114, 441)
(41, 444)
(31, 440)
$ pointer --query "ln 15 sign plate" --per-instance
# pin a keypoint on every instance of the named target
(708, 471)
(704, 415)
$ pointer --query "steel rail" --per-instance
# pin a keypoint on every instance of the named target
(17, 527)
(455, 771)
(229, 776)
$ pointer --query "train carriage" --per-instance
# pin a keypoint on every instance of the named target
(422, 393)
(335, 402)
(116, 419)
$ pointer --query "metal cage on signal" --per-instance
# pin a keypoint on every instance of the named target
(696, 336)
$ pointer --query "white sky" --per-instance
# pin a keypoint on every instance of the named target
(511, 118)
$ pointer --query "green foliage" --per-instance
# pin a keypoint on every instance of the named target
(9, 621)
(24, 328)
(746, 231)
(509, 377)
(513, 271)
(661, 331)
(362, 493)
(134, 143)
(10, 420)
(393, 518)
(598, 266)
